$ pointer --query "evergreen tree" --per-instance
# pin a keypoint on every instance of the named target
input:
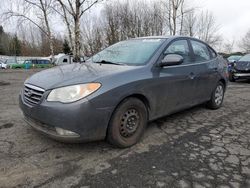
(2, 50)
(15, 46)
(1, 30)
(66, 47)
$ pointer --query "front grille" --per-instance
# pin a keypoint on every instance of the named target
(32, 94)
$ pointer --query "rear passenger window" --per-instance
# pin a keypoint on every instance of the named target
(201, 52)
(179, 47)
(213, 54)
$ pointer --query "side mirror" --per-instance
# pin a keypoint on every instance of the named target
(82, 59)
(171, 59)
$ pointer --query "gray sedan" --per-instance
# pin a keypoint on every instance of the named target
(116, 92)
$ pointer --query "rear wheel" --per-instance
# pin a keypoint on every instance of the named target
(127, 123)
(217, 97)
(231, 77)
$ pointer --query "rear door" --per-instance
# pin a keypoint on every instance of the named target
(206, 70)
(34, 63)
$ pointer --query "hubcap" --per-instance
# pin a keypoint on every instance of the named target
(219, 95)
(129, 123)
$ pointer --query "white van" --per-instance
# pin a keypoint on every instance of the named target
(62, 59)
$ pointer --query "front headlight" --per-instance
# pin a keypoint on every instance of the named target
(72, 93)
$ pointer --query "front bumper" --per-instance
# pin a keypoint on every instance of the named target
(50, 131)
(241, 75)
(81, 117)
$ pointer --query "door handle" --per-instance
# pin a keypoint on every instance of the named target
(192, 75)
(215, 69)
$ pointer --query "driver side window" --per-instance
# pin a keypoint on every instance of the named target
(179, 47)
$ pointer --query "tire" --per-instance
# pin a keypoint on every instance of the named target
(217, 97)
(231, 77)
(127, 123)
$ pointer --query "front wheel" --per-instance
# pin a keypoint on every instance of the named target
(127, 123)
(217, 97)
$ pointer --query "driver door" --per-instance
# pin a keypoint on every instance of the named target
(176, 83)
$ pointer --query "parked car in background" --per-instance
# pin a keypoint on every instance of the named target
(231, 60)
(17, 65)
(234, 58)
(10, 62)
(240, 69)
(33, 63)
(117, 91)
(3, 65)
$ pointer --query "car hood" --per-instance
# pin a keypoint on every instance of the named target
(243, 66)
(74, 74)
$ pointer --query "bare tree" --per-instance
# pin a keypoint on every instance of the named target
(189, 24)
(118, 20)
(207, 29)
(112, 24)
(229, 46)
(66, 19)
(25, 12)
(245, 43)
(75, 9)
(123, 20)
(93, 36)
(203, 26)
(186, 16)
(174, 10)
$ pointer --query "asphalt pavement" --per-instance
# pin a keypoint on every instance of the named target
(194, 148)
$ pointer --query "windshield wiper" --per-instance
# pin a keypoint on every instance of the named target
(109, 62)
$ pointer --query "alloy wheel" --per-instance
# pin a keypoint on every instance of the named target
(219, 92)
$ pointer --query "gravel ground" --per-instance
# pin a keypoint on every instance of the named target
(195, 148)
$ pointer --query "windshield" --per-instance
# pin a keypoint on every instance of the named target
(234, 58)
(27, 62)
(130, 52)
(245, 58)
(11, 61)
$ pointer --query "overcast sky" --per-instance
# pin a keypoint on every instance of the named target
(233, 16)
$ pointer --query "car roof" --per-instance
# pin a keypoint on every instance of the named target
(169, 37)
(35, 59)
(153, 37)
(166, 37)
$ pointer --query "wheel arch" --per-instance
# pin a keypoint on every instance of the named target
(223, 81)
(141, 97)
